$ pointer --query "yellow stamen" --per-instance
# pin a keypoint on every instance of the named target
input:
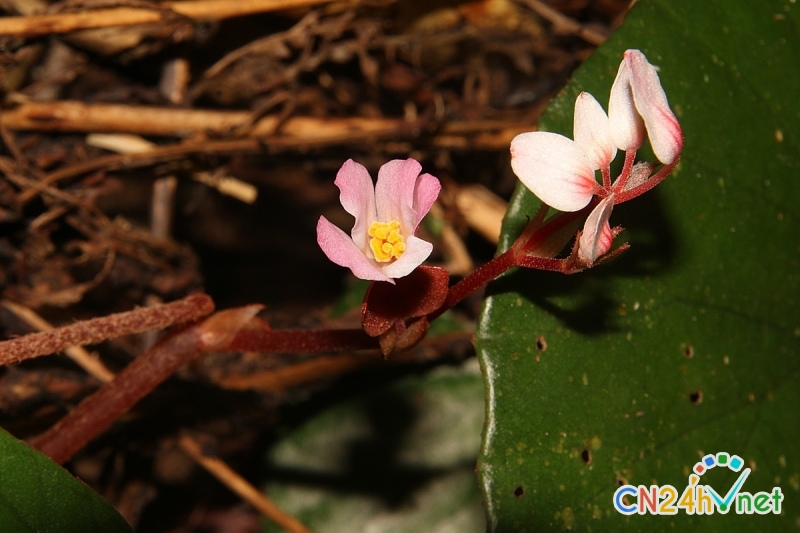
(387, 242)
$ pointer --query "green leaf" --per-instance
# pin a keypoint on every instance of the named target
(38, 496)
(401, 459)
(688, 343)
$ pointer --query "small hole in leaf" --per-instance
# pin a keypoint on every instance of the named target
(519, 492)
(621, 480)
(696, 397)
(586, 456)
(688, 351)
(541, 344)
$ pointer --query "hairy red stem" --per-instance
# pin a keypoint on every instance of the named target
(534, 235)
(301, 341)
(106, 327)
(630, 156)
(476, 280)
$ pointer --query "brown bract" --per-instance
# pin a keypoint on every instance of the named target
(397, 313)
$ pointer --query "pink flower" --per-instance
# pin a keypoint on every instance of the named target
(562, 171)
(638, 103)
(382, 244)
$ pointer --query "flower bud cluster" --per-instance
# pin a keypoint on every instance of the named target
(561, 171)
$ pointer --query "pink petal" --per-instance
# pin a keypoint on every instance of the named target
(394, 193)
(341, 249)
(554, 168)
(663, 129)
(425, 193)
(417, 251)
(591, 131)
(596, 237)
(357, 196)
(625, 124)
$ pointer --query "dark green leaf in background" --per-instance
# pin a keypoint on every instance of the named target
(38, 496)
(687, 344)
(400, 459)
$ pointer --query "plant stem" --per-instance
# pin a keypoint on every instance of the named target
(97, 412)
(535, 235)
(103, 328)
(476, 280)
(630, 156)
(301, 341)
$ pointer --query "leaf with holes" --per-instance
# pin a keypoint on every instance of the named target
(37, 495)
(688, 343)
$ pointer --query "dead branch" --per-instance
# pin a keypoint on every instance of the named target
(482, 210)
(144, 120)
(565, 25)
(35, 25)
(272, 130)
(158, 154)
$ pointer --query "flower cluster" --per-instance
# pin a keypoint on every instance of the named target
(561, 171)
(383, 245)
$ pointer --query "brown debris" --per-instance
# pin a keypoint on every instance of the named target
(66, 22)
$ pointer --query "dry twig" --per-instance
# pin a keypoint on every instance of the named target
(565, 25)
(482, 209)
(241, 486)
(158, 154)
(296, 131)
(34, 25)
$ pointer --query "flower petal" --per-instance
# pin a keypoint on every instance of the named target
(357, 195)
(554, 168)
(591, 131)
(663, 129)
(417, 251)
(341, 249)
(425, 193)
(625, 123)
(596, 238)
(394, 193)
